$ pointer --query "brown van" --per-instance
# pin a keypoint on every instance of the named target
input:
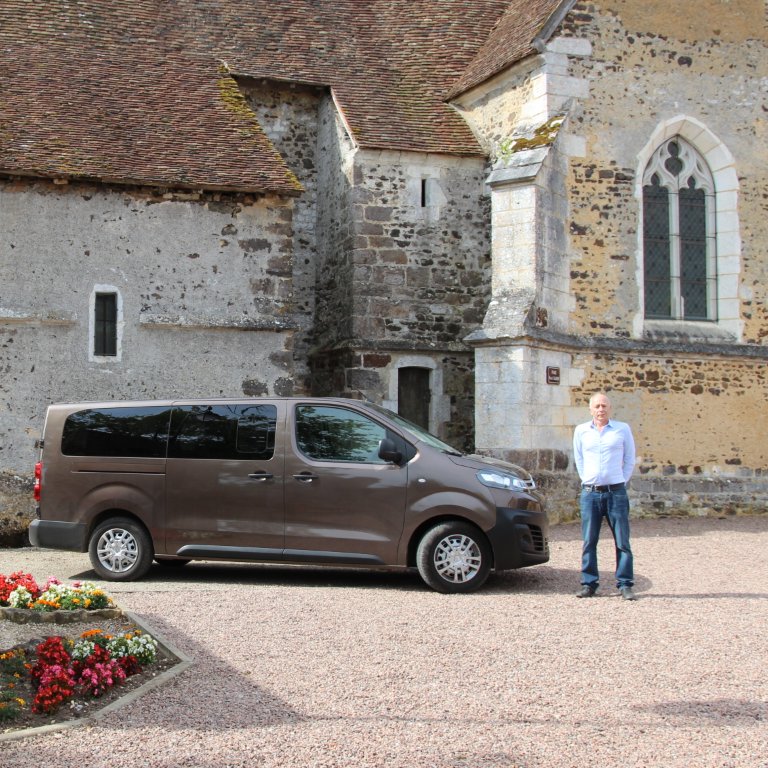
(284, 480)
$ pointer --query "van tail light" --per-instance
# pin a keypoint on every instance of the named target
(38, 481)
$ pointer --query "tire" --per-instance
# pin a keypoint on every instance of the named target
(454, 557)
(120, 550)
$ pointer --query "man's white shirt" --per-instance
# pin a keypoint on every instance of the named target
(604, 458)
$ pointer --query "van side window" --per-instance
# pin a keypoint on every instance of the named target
(223, 432)
(326, 433)
(134, 432)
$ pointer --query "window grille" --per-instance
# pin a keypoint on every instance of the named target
(680, 268)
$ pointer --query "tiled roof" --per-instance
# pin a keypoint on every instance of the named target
(509, 42)
(107, 91)
(141, 93)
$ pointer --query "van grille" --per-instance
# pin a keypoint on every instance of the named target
(540, 543)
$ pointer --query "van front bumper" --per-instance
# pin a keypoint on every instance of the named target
(53, 534)
(519, 538)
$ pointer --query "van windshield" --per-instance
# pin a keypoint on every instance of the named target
(419, 433)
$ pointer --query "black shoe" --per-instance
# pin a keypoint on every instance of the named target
(627, 593)
(586, 591)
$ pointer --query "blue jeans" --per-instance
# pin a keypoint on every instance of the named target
(615, 506)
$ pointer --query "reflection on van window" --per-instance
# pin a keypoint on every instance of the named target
(223, 432)
(336, 434)
(129, 432)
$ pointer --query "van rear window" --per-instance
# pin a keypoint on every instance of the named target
(128, 432)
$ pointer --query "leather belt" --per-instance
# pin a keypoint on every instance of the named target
(603, 488)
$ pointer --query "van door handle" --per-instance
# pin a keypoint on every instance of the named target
(261, 476)
(305, 477)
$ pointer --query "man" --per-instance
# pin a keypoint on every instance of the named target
(604, 452)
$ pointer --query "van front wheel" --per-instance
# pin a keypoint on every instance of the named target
(454, 557)
(120, 550)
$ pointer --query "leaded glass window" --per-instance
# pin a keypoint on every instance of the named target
(680, 273)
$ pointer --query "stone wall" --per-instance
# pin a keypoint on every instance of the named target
(335, 237)
(641, 74)
(403, 279)
(694, 393)
(205, 289)
(17, 509)
(421, 248)
(505, 104)
(290, 116)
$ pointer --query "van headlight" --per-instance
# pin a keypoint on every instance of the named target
(495, 479)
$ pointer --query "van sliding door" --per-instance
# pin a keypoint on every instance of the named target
(224, 481)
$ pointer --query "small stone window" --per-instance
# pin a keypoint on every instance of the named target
(428, 192)
(679, 255)
(105, 323)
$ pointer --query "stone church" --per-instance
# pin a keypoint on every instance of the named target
(475, 213)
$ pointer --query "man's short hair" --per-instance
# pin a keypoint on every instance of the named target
(596, 394)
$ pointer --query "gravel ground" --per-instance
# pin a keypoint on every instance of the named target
(312, 667)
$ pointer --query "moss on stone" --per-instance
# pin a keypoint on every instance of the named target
(542, 136)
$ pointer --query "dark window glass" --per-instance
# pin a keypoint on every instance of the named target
(656, 247)
(256, 426)
(326, 433)
(105, 325)
(678, 250)
(136, 432)
(693, 253)
(223, 432)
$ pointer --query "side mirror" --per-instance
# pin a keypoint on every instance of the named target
(388, 451)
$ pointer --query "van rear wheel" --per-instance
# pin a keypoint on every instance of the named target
(454, 557)
(120, 550)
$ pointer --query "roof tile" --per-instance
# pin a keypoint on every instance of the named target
(89, 90)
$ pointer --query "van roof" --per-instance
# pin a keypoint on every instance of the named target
(204, 401)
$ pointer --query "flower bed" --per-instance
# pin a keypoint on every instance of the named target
(20, 590)
(38, 678)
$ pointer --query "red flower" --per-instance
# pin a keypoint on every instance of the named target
(18, 579)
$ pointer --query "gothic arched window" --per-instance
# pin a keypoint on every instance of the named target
(680, 263)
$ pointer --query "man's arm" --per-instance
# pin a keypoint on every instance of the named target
(578, 455)
(628, 466)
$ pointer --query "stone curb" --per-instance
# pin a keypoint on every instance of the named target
(27, 616)
(184, 662)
